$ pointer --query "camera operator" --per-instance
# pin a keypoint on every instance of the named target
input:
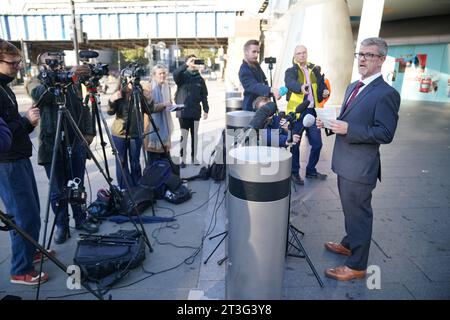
(276, 124)
(161, 117)
(128, 143)
(305, 82)
(191, 91)
(17, 183)
(253, 78)
(47, 135)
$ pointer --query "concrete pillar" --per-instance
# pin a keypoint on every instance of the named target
(369, 26)
(245, 29)
(323, 26)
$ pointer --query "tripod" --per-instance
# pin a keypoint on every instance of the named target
(65, 119)
(141, 106)
(10, 225)
(294, 242)
(94, 100)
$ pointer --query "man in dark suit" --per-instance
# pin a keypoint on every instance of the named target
(252, 77)
(368, 118)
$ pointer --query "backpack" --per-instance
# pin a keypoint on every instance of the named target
(178, 196)
(105, 259)
(142, 197)
(218, 169)
(155, 177)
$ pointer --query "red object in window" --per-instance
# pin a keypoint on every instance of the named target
(425, 85)
(422, 60)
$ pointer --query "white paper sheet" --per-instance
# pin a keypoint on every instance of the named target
(326, 114)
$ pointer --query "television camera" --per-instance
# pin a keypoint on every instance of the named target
(52, 74)
(98, 70)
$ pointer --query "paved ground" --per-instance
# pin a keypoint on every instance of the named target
(411, 241)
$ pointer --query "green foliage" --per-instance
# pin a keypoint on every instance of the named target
(134, 55)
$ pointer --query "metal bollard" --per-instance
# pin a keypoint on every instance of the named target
(257, 211)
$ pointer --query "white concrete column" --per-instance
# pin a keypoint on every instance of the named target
(369, 26)
(323, 26)
(245, 29)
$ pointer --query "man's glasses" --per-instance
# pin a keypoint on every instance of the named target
(366, 56)
(14, 64)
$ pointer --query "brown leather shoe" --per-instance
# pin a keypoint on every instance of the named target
(337, 248)
(344, 273)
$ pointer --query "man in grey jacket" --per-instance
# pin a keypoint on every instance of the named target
(368, 118)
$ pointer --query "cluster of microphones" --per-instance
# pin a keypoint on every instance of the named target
(266, 111)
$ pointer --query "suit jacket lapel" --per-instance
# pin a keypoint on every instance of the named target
(361, 96)
(347, 95)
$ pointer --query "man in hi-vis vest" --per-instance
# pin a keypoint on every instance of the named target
(305, 82)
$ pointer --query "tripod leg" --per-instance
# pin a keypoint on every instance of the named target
(217, 246)
(221, 261)
(297, 240)
(51, 179)
(91, 154)
(52, 231)
(96, 119)
(9, 223)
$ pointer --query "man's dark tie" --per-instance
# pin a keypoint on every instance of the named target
(353, 95)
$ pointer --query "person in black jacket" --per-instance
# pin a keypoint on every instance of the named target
(252, 77)
(5, 136)
(65, 168)
(17, 183)
(191, 92)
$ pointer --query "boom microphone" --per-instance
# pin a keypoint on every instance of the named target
(259, 119)
(302, 106)
(87, 54)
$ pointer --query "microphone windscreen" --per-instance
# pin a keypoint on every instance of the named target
(309, 120)
(261, 115)
(87, 54)
(302, 106)
(282, 91)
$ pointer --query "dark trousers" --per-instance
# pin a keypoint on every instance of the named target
(58, 198)
(356, 203)
(21, 199)
(130, 157)
(186, 126)
(315, 141)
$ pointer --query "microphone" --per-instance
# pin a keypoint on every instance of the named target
(258, 121)
(302, 106)
(308, 121)
(87, 54)
(282, 91)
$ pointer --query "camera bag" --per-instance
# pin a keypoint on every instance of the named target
(105, 259)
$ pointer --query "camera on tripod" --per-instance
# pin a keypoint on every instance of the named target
(53, 74)
(133, 70)
(270, 60)
(98, 70)
(76, 193)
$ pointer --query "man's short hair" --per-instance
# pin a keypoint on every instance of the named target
(8, 49)
(375, 41)
(258, 102)
(249, 43)
(190, 56)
